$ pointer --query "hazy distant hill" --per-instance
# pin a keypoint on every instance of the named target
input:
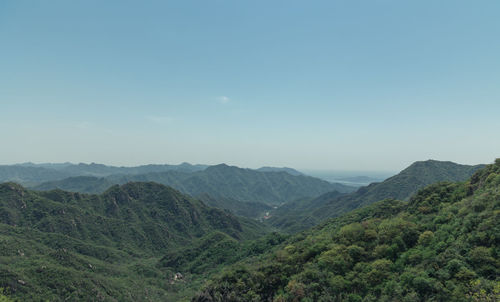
(31, 174)
(359, 180)
(401, 186)
(100, 170)
(82, 184)
(64, 245)
(220, 181)
(252, 186)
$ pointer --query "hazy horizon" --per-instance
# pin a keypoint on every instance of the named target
(322, 85)
(325, 173)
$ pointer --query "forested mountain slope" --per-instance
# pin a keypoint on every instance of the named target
(255, 210)
(401, 186)
(442, 245)
(59, 245)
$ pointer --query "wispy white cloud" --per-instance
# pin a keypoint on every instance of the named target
(223, 99)
(84, 125)
(161, 120)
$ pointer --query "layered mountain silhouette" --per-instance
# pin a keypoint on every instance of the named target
(32, 174)
(234, 188)
(144, 239)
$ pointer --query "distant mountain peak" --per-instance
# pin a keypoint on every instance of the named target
(221, 166)
(280, 169)
(438, 164)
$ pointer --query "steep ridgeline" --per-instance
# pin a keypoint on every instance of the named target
(442, 245)
(60, 246)
(223, 182)
(401, 186)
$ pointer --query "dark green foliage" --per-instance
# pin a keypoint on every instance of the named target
(217, 249)
(401, 186)
(246, 209)
(295, 216)
(59, 245)
(440, 246)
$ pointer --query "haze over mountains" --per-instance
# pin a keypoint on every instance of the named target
(244, 191)
(30, 173)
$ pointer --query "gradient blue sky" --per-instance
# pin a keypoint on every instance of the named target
(351, 85)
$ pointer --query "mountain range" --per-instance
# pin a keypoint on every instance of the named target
(233, 187)
(246, 192)
(427, 233)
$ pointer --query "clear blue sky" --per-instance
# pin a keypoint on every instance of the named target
(361, 85)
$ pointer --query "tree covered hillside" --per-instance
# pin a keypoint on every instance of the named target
(442, 245)
(59, 245)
